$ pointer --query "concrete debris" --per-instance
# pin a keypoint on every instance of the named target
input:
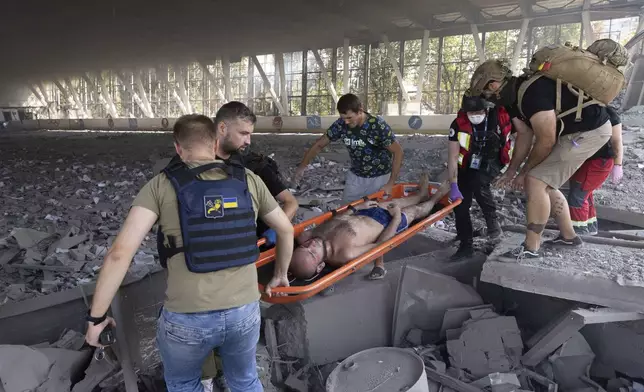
(499, 382)
(423, 298)
(571, 361)
(22, 368)
(487, 345)
(26, 238)
(415, 337)
(71, 340)
(95, 373)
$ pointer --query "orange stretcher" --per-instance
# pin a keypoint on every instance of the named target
(302, 290)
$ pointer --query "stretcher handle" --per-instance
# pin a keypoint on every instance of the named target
(361, 260)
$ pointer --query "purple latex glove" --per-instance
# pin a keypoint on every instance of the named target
(617, 173)
(454, 192)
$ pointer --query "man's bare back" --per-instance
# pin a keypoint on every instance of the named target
(345, 237)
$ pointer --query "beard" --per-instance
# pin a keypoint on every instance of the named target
(508, 94)
(230, 148)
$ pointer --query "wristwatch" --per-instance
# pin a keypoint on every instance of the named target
(94, 320)
(352, 208)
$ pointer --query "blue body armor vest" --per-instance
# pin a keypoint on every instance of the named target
(217, 218)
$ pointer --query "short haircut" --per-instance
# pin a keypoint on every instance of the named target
(234, 110)
(349, 102)
(193, 129)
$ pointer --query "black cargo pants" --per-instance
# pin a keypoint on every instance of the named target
(473, 183)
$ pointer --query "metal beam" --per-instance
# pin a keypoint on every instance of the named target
(519, 44)
(171, 87)
(144, 97)
(424, 47)
(213, 80)
(394, 64)
(477, 42)
(128, 86)
(325, 75)
(346, 89)
(225, 67)
(279, 60)
(268, 85)
(183, 91)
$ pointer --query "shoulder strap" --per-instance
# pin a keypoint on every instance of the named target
(181, 175)
(522, 89)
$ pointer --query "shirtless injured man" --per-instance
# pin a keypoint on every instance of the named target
(361, 228)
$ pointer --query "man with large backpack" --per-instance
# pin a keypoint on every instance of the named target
(562, 98)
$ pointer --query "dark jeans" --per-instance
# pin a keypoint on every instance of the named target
(473, 183)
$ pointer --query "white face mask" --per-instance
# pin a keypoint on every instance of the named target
(476, 118)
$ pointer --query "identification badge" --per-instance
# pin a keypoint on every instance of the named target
(475, 163)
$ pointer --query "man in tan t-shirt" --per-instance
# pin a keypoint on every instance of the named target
(204, 310)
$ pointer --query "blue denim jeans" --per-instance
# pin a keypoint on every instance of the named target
(186, 339)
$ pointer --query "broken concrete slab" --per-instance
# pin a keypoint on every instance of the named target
(572, 361)
(66, 365)
(360, 308)
(22, 368)
(26, 238)
(574, 277)
(6, 255)
(455, 317)
(486, 346)
(95, 373)
(70, 340)
(422, 299)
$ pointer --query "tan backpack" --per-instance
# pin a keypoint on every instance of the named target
(592, 74)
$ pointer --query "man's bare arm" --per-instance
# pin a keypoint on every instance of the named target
(278, 221)
(522, 144)
(396, 149)
(544, 125)
(452, 161)
(617, 144)
(315, 149)
(290, 204)
(137, 225)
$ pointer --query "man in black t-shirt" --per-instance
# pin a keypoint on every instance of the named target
(561, 147)
(591, 175)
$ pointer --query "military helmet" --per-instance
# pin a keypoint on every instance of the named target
(489, 71)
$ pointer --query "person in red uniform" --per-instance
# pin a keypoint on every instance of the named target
(479, 147)
(591, 175)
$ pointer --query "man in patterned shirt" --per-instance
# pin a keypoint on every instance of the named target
(376, 156)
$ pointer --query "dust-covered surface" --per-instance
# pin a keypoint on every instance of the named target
(617, 263)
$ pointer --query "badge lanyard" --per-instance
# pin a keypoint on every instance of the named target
(476, 135)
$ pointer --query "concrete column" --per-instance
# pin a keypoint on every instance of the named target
(367, 63)
(587, 28)
(250, 85)
(105, 93)
(394, 64)
(279, 60)
(346, 89)
(212, 79)
(325, 75)
(268, 85)
(520, 40)
(79, 104)
(305, 63)
(144, 96)
(421, 66)
(477, 42)
(183, 90)
(162, 76)
(128, 86)
(439, 74)
(225, 66)
(38, 95)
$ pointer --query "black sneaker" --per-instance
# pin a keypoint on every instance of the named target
(463, 252)
(561, 242)
(519, 253)
(494, 230)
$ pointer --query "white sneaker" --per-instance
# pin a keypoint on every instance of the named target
(207, 385)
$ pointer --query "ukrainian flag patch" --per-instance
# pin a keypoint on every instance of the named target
(230, 202)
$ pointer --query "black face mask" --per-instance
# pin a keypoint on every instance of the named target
(508, 94)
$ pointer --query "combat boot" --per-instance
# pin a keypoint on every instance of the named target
(464, 251)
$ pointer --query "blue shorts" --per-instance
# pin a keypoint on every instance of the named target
(383, 217)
